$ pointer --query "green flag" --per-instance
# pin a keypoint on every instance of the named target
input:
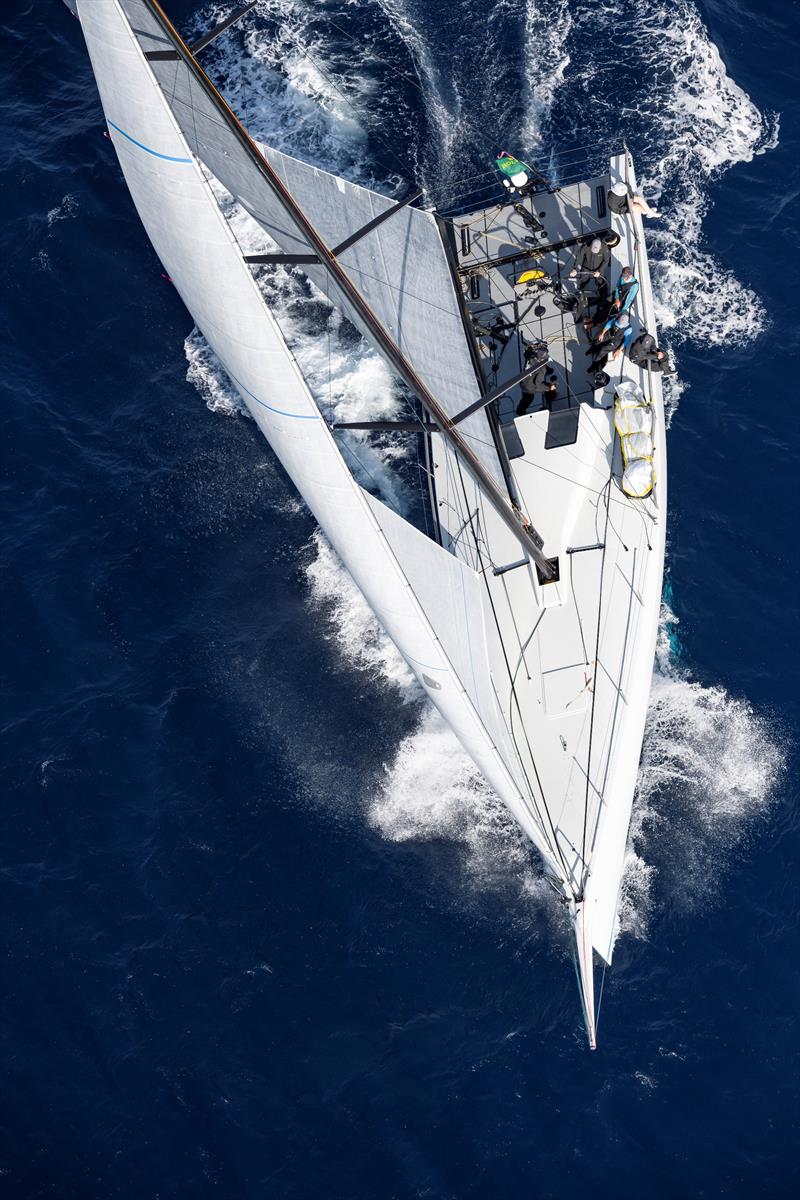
(510, 166)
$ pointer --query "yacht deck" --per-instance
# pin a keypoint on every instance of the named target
(571, 660)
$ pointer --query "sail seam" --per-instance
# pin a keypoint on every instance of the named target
(280, 412)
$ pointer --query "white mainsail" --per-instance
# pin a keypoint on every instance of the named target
(545, 685)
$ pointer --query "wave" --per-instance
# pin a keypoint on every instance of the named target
(281, 85)
(206, 373)
(63, 211)
(709, 773)
(547, 26)
(352, 623)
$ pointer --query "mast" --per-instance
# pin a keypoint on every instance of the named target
(510, 516)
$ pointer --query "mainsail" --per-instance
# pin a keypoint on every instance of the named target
(534, 673)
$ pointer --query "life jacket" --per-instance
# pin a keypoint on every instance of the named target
(623, 288)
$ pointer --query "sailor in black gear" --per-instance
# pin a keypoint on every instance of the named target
(536, 352)
(542, 382)
(645, 353)
(593, 304)
(611, 343)
(591, 263)
(592, 259)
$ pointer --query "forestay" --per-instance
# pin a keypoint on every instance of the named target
(400, 268)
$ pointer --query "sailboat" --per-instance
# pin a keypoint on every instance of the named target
(528, 608)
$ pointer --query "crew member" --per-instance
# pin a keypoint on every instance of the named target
(645, 353)
(592, 259)
(592, 303)
(625, 292)
(541, 382)
(622, 200)
(518, 176)
(612, 341)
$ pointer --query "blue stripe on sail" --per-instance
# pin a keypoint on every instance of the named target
(141, 145)
(279, 411)
(427, 666)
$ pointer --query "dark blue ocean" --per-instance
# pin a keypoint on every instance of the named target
(263, 931)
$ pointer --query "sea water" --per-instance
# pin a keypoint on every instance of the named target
(267, 932)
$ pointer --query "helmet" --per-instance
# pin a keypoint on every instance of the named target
(596, 246)
(619, 189)
(623, 321)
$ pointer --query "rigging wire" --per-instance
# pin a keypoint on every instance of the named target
(560, 154)
(453, 196)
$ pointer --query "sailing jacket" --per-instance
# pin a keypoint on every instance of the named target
(644, 352)
(586, 260)
(619, 337)
(539, 382)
